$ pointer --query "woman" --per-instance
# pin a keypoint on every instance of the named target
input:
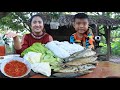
(37, 34)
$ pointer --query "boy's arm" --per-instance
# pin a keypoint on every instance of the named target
(91, 39)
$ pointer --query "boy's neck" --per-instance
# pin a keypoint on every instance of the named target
(80, 35)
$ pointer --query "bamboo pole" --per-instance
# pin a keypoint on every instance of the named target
(108, 43)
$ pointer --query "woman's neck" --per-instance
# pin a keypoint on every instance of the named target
(38, 34)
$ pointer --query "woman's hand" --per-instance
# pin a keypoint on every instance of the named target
(17, 43)
(11, 35)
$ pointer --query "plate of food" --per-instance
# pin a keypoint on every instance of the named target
(15, 67)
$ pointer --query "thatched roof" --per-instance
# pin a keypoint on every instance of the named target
(68, 19)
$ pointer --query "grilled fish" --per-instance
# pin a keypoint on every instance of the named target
(79, 68)
(86, 67)
(83, 53)
(82, 61)
(71, 74)
(68, 69)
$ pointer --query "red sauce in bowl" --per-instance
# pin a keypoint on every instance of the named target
(15, 68)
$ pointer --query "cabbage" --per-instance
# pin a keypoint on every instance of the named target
(47, 55)
(43, 68)
(33, 57)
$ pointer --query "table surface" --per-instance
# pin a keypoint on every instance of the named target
(104, 69)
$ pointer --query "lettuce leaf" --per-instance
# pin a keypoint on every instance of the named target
(47, 55)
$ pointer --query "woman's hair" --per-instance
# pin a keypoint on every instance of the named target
(30, 20)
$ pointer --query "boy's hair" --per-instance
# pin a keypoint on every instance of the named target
(80, 16)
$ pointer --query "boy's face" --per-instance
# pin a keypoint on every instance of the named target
(81, 25)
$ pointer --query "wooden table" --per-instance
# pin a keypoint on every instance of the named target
(104, 69)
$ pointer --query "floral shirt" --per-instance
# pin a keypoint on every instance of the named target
(86, 41)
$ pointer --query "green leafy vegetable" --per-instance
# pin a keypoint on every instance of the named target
(47, 55)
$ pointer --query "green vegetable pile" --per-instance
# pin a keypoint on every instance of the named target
(47, 55)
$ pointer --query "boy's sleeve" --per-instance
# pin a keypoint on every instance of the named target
(72, 39)
(90, 32)
(91, 40)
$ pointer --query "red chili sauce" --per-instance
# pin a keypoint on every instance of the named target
(15, 68)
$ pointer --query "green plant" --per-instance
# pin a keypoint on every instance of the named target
(103, 50)
(115, 48)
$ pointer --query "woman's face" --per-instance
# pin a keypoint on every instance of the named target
(37, 24)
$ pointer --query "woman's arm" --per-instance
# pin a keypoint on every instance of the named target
(50, 38)
(24, 44)
(17, 44)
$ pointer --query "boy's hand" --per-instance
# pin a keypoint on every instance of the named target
(91, 46)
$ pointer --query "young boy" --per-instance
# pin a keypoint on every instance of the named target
(83, 35)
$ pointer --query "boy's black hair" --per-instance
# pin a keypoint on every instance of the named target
(36, 15)
(80, 16)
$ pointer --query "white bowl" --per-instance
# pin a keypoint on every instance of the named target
(13, 55)
(8, 56)
(7, 60)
